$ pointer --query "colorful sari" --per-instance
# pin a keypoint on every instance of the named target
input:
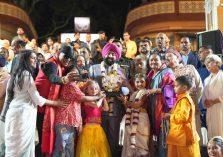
(160, 103)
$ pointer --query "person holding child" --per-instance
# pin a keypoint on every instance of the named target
(68, 120)
(183, 139)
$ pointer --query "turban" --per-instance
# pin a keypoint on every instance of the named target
(2, 60)
(175, 52)
(110, 47)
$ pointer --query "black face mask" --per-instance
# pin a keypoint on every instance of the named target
(109, 61)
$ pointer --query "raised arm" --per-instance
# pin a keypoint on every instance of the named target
(50, 70)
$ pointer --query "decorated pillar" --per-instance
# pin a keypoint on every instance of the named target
(214, 14)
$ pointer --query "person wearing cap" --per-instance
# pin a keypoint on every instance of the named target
(174, 61)
(4, 77)
(50, 77)
(110, 78)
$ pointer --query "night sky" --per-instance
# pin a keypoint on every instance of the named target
(52, 17)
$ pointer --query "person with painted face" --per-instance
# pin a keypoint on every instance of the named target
(48, 82)
(110, 78)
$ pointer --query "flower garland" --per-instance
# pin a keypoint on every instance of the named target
(111, 81)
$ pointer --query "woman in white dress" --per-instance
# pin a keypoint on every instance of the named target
(213, 96)
(20, 119)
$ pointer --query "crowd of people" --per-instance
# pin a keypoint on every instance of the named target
(109, 98)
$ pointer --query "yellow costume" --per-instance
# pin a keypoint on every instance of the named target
(93, 142)
(183, 139)
(131, 49)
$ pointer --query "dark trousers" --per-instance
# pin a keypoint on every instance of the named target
(65, 142)
(39, 125)
(111, 125)
(156, 147)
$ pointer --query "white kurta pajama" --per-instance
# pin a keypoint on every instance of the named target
(20, 122)
(213, 89)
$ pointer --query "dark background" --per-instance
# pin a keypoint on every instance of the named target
(52, 17)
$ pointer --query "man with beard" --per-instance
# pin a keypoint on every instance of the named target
(162, 43)
(188, 57)
(110, 77)
(141, 61)
(125, 63)
(145, 47)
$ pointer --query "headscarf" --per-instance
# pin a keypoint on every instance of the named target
(110, 47)
(175, 52)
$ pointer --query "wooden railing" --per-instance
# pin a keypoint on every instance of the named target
(14, 11)
(165, 7)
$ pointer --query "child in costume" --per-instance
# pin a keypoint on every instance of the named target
(68, 120)
(183, 139)
(137, 126)
(92, 141)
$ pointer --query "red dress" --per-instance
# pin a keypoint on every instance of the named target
(71, 114)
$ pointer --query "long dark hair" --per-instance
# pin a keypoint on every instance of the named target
(17, 78)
